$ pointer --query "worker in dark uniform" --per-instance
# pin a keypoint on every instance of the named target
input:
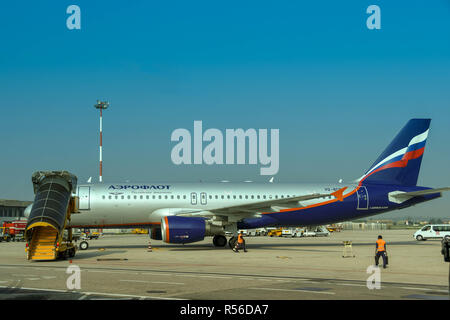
(240, 243)
(380, 251)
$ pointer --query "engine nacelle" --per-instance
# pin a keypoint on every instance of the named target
(155, 233)
(182, 229)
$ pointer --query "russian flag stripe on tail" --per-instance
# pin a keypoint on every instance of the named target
(400, 162)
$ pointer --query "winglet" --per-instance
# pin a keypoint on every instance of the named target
(339, 194)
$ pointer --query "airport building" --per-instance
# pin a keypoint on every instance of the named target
(363, 226)
(12, 209)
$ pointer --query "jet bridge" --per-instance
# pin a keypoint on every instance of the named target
(49, 216)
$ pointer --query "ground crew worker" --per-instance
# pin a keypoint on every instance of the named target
(380, 250)
(240, 243)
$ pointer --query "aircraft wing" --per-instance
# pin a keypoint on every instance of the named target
(267, 206)
(409, 195)
(236, 213)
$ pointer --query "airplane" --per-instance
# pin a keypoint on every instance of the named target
(189, 212)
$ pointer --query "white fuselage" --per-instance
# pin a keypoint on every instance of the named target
(124, 205)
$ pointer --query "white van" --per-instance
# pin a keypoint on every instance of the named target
(433, 231)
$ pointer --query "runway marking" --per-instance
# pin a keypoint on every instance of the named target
(33, 279)
(143, 281)
(156, 274)
(293, 290)
(106, 271)
(179, 283)
(38, 289)
(215, 277)
(48, 277)
(98, 293)
(350, 284)
(132, 296)
(423, 289)
(200, 276)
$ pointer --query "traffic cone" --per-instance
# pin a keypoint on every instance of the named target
(149, 247)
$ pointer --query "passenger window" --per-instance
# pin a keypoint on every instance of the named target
(122, 197)
(178, 197)
(171, 197)
(128, 197)
(135, 197)
(103, 197)
(142, 197)
(165, 197)
(159, 197)
(234, 197)
(109, 197)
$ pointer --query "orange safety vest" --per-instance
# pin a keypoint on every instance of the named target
(381, 245)
(240, 240)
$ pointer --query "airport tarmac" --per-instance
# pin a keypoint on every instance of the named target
(120, 267)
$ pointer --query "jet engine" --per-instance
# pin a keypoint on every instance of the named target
(187, 229)
(155, 233)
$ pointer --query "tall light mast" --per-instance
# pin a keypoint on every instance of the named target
(102, 105)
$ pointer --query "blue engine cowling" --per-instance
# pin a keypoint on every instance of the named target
(182, 229)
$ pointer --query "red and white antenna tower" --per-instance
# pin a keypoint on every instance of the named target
(102, 105)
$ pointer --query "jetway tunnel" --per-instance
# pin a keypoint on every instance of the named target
(50, 213)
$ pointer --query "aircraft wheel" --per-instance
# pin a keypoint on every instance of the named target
(84, 245)
(219, 241)
(71, 252)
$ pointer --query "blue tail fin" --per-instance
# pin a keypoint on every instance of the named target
(400, 163)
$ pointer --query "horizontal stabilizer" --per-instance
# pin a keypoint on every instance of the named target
(403, 196)
(422, 192)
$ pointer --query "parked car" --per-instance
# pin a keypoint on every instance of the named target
(433, 231)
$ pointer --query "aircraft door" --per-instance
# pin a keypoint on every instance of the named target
(84, 194)
(203, 199)
(193, 198)
(363, 198)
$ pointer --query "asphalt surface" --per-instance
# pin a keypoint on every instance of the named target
(120, 267)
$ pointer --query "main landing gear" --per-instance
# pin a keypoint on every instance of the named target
(219, 241)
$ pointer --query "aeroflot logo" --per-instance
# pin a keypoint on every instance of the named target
(213, 153)
(137, 187)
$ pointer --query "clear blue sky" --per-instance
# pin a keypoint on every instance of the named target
(337, 91)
